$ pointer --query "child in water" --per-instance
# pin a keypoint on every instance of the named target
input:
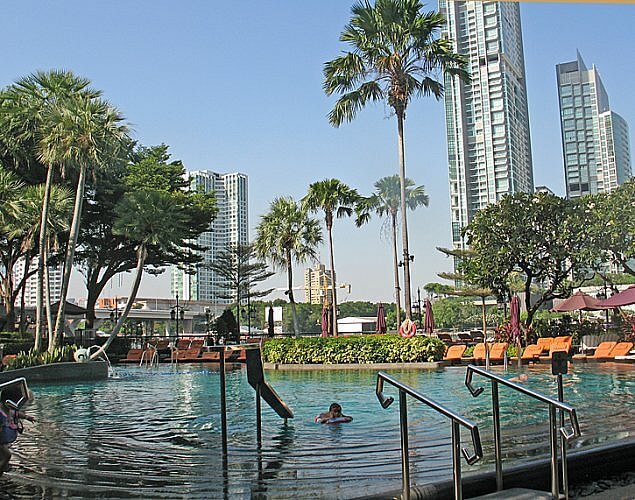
(10, 425)
(333, 416)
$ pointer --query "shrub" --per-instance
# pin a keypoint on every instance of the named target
(24, 359)
(358, 349)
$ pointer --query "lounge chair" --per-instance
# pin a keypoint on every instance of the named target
(446, 337)
(212, 356)
(454, 353)
(544, 343)
(497, 352)
(561, 344)
(622, 349)
(531, 353)
(602, 352)
(465, 337)
(133, 356)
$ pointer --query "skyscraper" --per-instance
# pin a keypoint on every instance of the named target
(595, 143)
(229, 226)
(30, 286)
(317, 285)
(487, 122)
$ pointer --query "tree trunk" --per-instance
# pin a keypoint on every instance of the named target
(39, 304)
(404, 222)
(395, 259)
(294, 312)
(329, 227)
(70, 254)
(141, 257)
(485, 333)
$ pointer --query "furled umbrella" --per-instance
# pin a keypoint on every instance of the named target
(514, 323)
(325, 322)
(381, 319)
(270, 324)
(428, 325)
(624, 298)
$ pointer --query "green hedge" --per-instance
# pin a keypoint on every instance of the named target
(358, 349)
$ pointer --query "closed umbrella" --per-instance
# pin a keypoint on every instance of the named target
(270, 322)
(325, 322)
(428, 325)
(381, 319)
(624, 298)
(514, 322)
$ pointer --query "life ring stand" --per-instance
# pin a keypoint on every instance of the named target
(408, 329)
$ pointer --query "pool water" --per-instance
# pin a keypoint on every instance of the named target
(156, 433)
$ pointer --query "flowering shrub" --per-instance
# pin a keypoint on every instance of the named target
(358, 349)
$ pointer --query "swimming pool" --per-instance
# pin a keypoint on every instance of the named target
(156, 433)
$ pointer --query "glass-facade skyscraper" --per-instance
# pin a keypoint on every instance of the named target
(595, 141)
(487, 121)
(229, 226)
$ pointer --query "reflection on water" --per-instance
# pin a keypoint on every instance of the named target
(156, 433)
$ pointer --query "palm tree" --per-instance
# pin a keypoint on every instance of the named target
(396, 55)
(84, 132)
(386, 202)
(334, 198)
(286, 234)
(151, 218)
(25, 107)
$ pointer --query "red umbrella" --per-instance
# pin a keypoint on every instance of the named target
(580, 301)
(325, 322)
(514, 320)
(381, 319)
(428, 325)
(624, 298)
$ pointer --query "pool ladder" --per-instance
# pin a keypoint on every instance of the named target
(554, 406)
(456, 419)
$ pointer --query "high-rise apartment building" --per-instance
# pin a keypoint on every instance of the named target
(317, 284)
(487, 121)
(229, 227)
(595, 141)
(30, 287)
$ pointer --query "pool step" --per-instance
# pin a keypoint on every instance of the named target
(516, 494)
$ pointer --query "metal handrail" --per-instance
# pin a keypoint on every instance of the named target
(457, 420)
(553, 405)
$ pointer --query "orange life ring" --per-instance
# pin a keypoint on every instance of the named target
(408, 329)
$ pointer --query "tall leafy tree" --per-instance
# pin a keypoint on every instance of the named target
(335, 199)
(287, 235)
(85, 133)
(150, 218)
(396, 55)
(539, 238)
(25, 109)
(242, 270)
(386, 201)
(102, 254)
(612, 230)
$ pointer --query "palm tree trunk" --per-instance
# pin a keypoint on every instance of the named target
(70, 254)
(47, 304)
(396, 267)
(333, 287)
(142, 253)
(404, 222)
(294, 312)
(39, 304)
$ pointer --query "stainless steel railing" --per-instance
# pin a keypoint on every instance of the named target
(456, 419)
(553, 431)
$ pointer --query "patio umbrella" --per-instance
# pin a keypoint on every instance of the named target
(325, 322)
(624, 298)
(580, 301)
(381, 319)
(270, 321)
(428, 325)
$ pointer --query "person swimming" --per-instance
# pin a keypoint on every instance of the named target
(333, 416)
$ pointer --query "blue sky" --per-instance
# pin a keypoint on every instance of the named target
(237, 86)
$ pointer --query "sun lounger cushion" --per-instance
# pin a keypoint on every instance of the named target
(454, 352)
(621, 349)
(497, 351)
(532, 351)
(544, 343)
(603, 350)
